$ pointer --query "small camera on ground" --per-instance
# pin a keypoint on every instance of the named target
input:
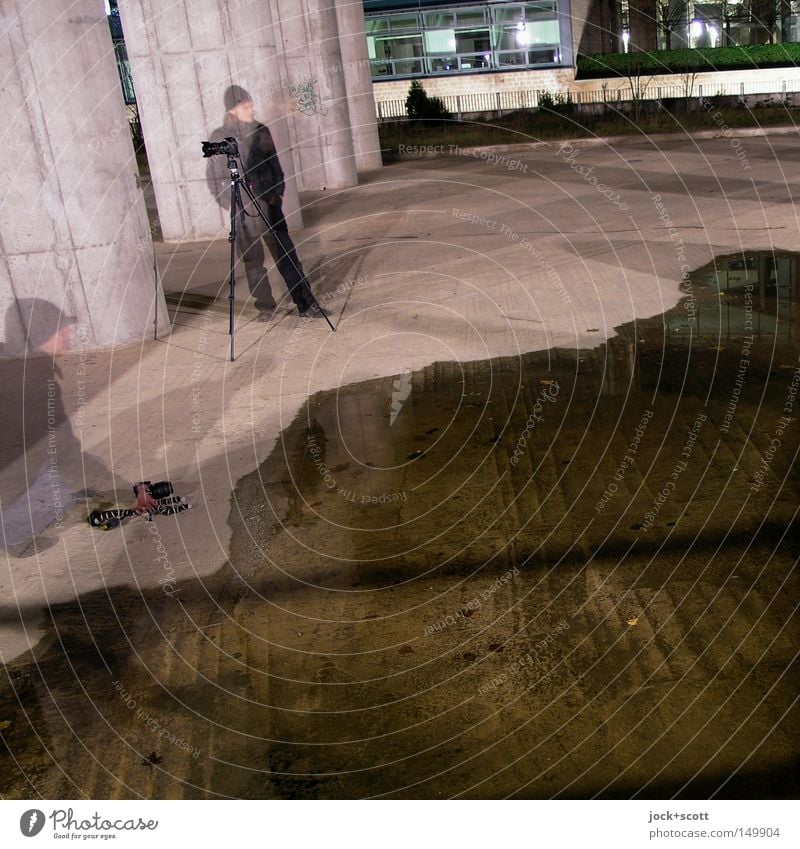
(157, 491)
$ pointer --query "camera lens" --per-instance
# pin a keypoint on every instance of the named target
(161, 489)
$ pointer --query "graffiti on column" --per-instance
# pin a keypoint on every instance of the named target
(309, 100)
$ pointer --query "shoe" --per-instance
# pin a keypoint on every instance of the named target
(266, 315)
(312, 310)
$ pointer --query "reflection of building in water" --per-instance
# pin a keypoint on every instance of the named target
(745, 294)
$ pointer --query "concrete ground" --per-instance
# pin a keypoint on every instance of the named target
(334, 618)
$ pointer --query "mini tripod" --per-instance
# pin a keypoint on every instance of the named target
(156, 499)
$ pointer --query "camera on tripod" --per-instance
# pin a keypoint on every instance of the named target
(227, 147)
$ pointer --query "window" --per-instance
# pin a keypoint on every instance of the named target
(471, 17)
(472, 38)
(404, 22)
(439, 19)
(509, 38)
(440, 41)
(512, 60)
(543, 32)
(472, 41)
(376, 25)
(508, 14)
(399, 47)
(551, 56)
(541, 11)
(442, 64)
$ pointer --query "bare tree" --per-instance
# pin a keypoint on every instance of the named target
(638, 86)
(765, 14)
(729, 12)
(671, 16)
(687, 82)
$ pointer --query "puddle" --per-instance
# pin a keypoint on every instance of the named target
(566, 574)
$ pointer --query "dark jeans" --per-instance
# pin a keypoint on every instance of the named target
(252, 234)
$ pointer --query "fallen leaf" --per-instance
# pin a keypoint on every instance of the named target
(405, 650)
(5, 724)
(497, 647)
(633, 620)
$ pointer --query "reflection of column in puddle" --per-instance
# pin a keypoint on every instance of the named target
(307, 472)
(608, 379)
(619, 368)
(364, 453)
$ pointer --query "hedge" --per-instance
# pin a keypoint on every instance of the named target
(689, 60)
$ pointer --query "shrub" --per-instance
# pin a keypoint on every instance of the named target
(688, 60)
(559, 105)
(420, 107)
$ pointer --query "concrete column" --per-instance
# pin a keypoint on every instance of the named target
(183, 57)
(320, 119)
(643, 27)
(73, 228)
(358, 83)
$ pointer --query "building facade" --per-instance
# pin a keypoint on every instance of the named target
(441, 38)
(674, 24)
(430, 38)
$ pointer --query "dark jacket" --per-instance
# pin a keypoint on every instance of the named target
(259, 159)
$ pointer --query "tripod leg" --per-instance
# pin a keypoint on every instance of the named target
(286, 253)
(232, 282)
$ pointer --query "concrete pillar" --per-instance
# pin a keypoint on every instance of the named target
(594, 26)
(358, 83)
(320, 119)
(183, 57)
(643, 27)
(73, 228)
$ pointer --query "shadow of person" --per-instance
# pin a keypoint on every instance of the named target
(42, 465)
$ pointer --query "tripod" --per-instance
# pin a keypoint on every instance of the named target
(237, 209)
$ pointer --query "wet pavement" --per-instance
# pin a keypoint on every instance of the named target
(569, 573)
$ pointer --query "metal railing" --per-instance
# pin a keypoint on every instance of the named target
(498, 102)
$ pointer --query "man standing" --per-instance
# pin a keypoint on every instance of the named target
(264, 175)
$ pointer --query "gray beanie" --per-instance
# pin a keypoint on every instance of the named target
(234, 95)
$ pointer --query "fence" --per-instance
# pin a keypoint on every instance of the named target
(616, 92)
